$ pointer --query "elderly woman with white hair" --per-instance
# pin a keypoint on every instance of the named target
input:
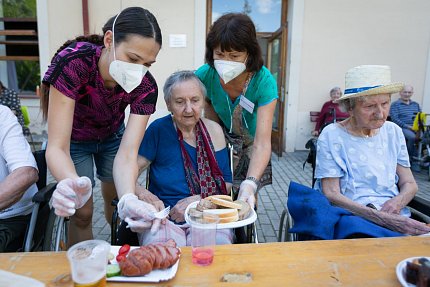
(362, 162)
(188, 161)
(330, 112)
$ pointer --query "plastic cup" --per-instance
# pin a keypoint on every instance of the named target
(88, 261)
(203, 239)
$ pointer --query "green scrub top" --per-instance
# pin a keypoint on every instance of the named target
(262, 90)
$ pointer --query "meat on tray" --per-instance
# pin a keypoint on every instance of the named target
(143, 260)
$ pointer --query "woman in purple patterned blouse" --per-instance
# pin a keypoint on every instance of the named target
(89, 83)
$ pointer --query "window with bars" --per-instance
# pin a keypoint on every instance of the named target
(19, 48)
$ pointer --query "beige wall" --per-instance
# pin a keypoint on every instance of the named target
(325, 39)
(177, 20)
(61, 20)
(340, 34)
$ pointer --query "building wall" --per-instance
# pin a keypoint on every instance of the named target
(339, 34)
(325, 38)
(61, 20)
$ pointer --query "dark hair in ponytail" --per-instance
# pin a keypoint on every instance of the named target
(132, 20)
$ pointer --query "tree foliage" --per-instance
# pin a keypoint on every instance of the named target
(19, 8)
(247, 8)
(28, 72)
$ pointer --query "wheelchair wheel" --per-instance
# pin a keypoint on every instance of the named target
(288, 235)
(56, 233)
(284, 227)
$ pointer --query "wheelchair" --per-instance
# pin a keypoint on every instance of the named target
(419, 207)
(121, 235)
(423, 150)
(46, 231)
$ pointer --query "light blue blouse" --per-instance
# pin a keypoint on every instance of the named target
(366, 166)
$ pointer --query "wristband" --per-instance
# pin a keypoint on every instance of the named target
(254, 179)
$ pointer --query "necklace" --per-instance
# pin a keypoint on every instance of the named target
(351, 131)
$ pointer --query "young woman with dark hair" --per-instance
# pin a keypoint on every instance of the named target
(242, 97)
(89, 83)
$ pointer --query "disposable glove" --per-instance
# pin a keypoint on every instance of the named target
(247, 192)
(71, 194)
(145, 195)
(138, 214)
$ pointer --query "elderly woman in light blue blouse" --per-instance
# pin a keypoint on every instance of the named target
(362, 162)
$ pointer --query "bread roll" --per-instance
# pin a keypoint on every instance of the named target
(225, 215)
(222, 196)
(193, 212)
(205, 203)
(224, 203)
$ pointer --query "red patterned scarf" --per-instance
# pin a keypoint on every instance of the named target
(209, 179)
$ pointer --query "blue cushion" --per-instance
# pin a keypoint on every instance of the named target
(314, 215)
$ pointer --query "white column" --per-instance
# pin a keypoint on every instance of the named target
(199, 32)
(3, 64)
(426, 91)
(43, 35)
(296, 10)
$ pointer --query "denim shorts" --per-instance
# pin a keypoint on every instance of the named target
(101, 154)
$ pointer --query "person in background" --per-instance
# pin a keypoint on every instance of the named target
(18, 177)
(91, 80)
(9, 98)
(174, 146)
(362, 162)
(402, 112)
(330, 112)
(241, 96)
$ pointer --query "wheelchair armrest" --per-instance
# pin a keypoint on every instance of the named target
(44, 194)
(420, 204)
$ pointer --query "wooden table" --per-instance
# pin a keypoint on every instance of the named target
(354, 262)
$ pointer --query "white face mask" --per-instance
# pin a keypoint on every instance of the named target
(228, 70)
(127, 75)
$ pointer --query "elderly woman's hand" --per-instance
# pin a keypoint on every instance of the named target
(404, 224)
(392, 205)
(177, 213)
(147, 196)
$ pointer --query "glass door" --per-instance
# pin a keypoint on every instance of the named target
(268, 16)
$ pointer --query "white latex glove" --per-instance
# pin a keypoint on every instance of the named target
(138, 214)
(71, 194)
(247, 193)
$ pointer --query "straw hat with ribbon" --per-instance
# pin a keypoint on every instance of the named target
(369, 80)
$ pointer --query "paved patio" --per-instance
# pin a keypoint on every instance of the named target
(271, 198)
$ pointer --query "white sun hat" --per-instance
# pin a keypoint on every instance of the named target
(367, 80)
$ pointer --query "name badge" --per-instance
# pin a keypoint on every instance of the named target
(246, 104)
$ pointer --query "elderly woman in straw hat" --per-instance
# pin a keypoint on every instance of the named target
(362, 162)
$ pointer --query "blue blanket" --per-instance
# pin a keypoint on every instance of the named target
(314, 215)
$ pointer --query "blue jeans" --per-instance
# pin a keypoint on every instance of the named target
(86, 154)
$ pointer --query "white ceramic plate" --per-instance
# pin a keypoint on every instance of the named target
(157, 275)
(401, 270)
(252, 217)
